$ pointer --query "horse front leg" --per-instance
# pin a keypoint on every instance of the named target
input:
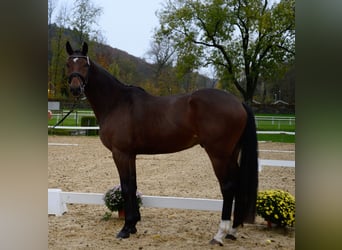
(127, 172)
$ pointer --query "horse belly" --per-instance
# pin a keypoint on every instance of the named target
(167, 144)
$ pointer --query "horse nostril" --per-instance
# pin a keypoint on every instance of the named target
(75, 91)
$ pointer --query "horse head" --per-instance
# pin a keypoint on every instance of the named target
(77, 68)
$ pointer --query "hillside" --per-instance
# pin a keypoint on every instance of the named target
(126, 62)
(136, 71)
(127, 68)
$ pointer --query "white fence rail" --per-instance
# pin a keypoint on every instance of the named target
(97, 128)
(276, 132)
(290, 119)
(58, 114)
(277, 121)
(58, 200)
(77, 128)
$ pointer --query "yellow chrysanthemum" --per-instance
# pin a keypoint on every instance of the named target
(276, 206)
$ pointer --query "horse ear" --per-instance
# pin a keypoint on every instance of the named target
(69, 49)
(85, 48)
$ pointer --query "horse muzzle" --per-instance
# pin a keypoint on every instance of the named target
(76, 84)
(76, 91)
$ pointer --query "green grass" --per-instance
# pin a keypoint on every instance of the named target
(265, 123)
(276, 126)
(71, 119)
(277, 138)
(275, 123)
(66, 122)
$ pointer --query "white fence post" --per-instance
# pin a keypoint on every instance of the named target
(55, 204)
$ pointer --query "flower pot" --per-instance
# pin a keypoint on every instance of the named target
(121, 214)
(270, 224)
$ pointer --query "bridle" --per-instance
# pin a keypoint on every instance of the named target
(84, 80)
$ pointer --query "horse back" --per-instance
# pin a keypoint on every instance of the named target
(146, 124)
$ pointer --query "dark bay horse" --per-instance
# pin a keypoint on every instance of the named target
(134, 122)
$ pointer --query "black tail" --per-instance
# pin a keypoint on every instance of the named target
(245, 197)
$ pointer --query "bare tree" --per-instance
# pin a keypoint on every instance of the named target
(51, 8)
(83, 18)
(161, 53)
(56, 67)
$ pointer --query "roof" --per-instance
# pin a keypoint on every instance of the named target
(280, 102)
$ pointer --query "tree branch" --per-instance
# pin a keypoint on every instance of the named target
(286, 49)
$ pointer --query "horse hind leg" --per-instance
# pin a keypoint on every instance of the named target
(226, 229)
(226, 172)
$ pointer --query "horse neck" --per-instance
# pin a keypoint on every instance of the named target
(103, 91)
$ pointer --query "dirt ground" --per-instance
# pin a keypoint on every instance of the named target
(87, 166)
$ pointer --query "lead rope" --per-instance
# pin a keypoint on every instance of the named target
(70, 111)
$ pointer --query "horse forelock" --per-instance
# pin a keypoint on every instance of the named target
(78, 53)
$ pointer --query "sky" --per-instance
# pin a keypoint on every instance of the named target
(127, 24)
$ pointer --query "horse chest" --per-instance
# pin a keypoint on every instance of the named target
(116, 136)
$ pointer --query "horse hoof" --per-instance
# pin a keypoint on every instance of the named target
(230, 237)
(215, 242)
(133, 230)
(125, 232)
(122, 235)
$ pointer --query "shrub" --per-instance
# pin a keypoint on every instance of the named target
(114, 200)
(89, 121)
(276, 206)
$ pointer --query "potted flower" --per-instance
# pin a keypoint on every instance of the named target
(115, 202)
(276, 206)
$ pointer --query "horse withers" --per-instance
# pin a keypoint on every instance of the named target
(134, 122)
